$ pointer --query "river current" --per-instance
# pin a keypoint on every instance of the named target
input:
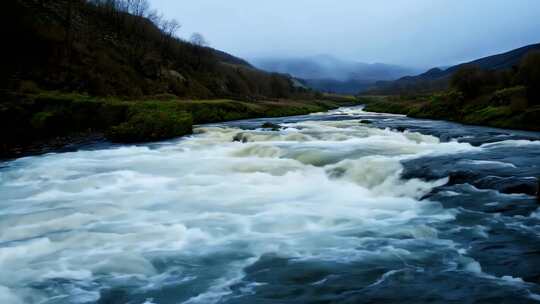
(339, 207)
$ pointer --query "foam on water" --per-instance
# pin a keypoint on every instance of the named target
(315, 190)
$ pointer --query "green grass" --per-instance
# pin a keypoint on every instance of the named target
(504, 109)
(487, 114)
(390, 104)
(30, 117)
(151, 125)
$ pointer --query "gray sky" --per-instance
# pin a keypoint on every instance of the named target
(408, 32)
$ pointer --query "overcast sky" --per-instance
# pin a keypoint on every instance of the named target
(409, 32)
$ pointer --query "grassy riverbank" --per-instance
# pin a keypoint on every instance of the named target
(41, 117)
(504, 96)
(511, 111)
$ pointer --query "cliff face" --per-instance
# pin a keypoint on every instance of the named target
(74, 45)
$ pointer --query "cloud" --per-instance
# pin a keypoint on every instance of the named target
(409, 32)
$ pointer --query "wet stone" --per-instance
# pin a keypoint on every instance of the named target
(271, 126)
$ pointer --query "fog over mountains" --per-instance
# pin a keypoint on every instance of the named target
(330, 74)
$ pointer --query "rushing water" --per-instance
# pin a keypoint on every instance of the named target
(326, 210)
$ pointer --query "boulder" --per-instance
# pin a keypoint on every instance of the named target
(401, 129)
(271, 126)
(509, 185)
(240, 137)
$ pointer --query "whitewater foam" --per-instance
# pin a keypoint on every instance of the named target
(315, 190)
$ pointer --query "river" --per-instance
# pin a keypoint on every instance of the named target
(337, 207)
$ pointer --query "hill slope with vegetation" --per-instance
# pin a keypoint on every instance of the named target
(117, 67)
(506, 97)
(120, 48)
(438, 79)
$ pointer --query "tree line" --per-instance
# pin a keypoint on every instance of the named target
(474, 81)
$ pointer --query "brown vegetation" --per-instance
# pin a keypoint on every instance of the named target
(121, 48)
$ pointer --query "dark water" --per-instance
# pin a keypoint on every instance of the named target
(326, 210)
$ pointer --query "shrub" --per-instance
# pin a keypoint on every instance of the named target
(28, 86)
(507, 95)
(518, 105)
(469, 80)
(529, 75)
(531, 119)
(498, 115)
(152, 125)
(514, 97)
(49, 123)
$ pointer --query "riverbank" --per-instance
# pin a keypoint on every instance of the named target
(481, 111)
(46, 121)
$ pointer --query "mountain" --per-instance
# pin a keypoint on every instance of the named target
(119, 48)
(438, 79)
(330, 74)
(328, 85)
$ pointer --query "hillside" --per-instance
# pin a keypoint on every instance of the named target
(114, 48)
(114, 69)
(438, 79)
(501, 91)
(329, 74)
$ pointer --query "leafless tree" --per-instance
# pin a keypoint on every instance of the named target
(156, 18)
(170, 27)
(139, 7)
(198, 40)
(199, 43)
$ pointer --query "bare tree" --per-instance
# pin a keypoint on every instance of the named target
(170, 27)
(199, 49)
(156, 18)
(140, 7)
(198, 40)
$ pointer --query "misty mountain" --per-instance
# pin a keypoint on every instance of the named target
(349, 86)
(330, 74)
(437, 78)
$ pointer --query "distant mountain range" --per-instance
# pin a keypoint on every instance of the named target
(329, 74)
(437, 78)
